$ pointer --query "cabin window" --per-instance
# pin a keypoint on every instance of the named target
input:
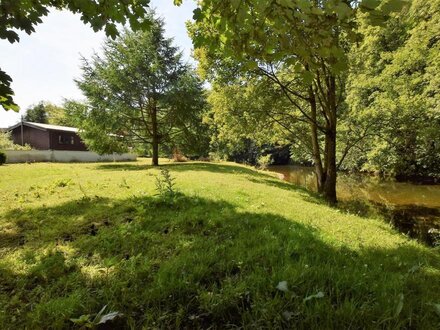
(66, 139)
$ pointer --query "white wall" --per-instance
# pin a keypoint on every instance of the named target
(62, 156)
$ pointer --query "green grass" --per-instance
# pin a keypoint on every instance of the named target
(77, 237)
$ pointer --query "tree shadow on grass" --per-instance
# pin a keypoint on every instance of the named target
(253, 175)
(190, 262)
(182, 167)
(410, 220)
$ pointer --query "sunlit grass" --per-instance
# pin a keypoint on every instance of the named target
(76, 237)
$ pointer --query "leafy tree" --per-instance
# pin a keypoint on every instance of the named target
(37, 114)
(25, 15)
(58, 115)
(243, 116)
(393, 91)
(140, 93)
(301, 46)
(48, 113)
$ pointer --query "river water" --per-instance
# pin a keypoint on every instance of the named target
(412, 208)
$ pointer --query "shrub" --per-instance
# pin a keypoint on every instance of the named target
(264, 161)
(216, 157)
(165, 185)
(2, 158)
(7, 144)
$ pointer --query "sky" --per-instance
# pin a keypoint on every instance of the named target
(44, 64)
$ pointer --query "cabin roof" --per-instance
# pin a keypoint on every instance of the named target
(45, 127)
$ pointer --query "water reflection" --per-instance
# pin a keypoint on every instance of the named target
(413, 208)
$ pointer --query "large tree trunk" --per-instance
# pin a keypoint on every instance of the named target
(329, 189)
(155, 137)
(330, 144)
(319, 172)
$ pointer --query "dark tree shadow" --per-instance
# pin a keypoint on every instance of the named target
(419, 223)
(255, 176)
(190, 262)
(183, 167)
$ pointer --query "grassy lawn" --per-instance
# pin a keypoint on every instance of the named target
(77, 237)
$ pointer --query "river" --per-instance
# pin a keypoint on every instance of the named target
(413, 208)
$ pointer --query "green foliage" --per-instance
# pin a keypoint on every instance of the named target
(2, 158)
(48, 113)
(7, 144)
(252, 112)
(37, 114)
(303, 31)
(214, 259)
(299, 46)
(141, 93)
(165, 185)
(58, 115)
(6, 92)
(264, 161)
(86, 321)
(389, 121)
(393, 94)
(25, 15)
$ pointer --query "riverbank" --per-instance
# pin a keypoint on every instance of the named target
(414, 209)
(233, 248)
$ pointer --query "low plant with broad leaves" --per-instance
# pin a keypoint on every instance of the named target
(88, 321)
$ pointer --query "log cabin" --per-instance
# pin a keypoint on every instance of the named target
(47, 137)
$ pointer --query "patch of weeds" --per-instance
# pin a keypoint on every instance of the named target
(124, 184)
(29, 257)
(50, 268)
(165, 186)
(84, 197)
(34, 187)
(62, 183)
(264, 162)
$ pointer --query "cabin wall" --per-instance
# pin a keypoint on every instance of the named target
(60, 140)
(36, 138)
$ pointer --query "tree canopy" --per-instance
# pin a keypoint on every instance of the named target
(48, 113)
(20, 15)
(393, 91)
(140, 93)
(37, 114)
(301, 46)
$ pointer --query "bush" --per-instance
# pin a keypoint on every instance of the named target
(165, 185)
(7, 144)
(2, 158)
(264, 161)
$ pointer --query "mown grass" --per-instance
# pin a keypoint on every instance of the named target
(77, 237)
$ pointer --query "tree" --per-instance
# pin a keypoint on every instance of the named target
(25, 15)
(48, 113)
(37, 114)
(301, 46)
(394, 89)
(140, 93)
(58, 115)
(244, 116)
